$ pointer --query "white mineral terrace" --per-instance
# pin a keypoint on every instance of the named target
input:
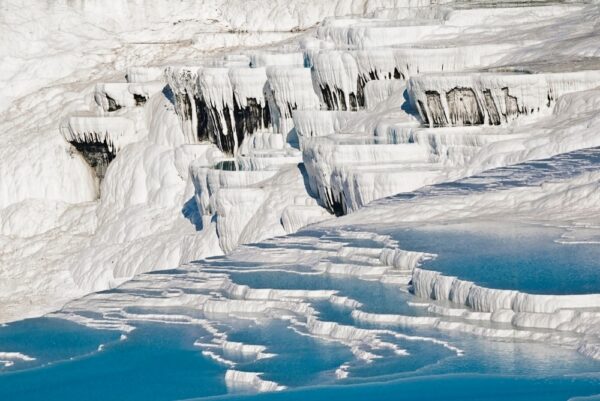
(257, 159)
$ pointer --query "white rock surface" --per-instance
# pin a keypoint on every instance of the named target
(167, 198)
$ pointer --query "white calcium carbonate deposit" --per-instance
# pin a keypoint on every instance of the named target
(143, 137)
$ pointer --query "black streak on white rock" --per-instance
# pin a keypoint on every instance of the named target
(96, 154)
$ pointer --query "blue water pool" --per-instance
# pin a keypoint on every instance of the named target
(508, 256)
(159, 362)
(448, 387)
(156, 362)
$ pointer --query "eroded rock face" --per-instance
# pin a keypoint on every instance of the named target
(250, 118)
(493, 114)
(205, 130)
(112, 104)
(216, 126)
(97, 154)
(207, 122)
(333, 204)
(492, 98)
(139, 99)
(463, 106)
(225, 134)
(228, 128)
(335, 99)
(512, 105)
(436, 110)
(224, 119)
(184, 106)
(423, 111)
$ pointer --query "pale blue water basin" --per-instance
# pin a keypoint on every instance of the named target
(156, 362)
(159, 362)
(449, 387)
(508, 255)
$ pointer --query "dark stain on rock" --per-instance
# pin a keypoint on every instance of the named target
(335, 99)
(398, 74)
(463, 107)
(512, 106)
(223, 134)
(140, 100)
(184, 106)
(436, 111)
(492, 110)
(423, 112)
(112, 104)
(334, 205)
(251, 118)
(97, 154)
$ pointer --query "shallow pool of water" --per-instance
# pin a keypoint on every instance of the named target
(508, 255)
(155, 362)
